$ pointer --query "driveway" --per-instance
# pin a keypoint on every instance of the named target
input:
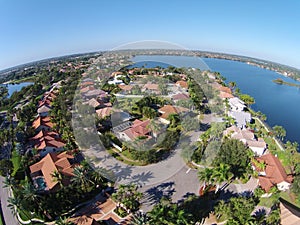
(9, 218)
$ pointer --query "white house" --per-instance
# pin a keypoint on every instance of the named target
(236, 104)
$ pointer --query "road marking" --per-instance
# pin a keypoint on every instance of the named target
(188, 170)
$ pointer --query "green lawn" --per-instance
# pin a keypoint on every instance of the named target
(16, 160)
(1, 220)
(290, 198)
(268, 202)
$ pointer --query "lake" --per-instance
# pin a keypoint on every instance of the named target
(16, 87)
(280, 103)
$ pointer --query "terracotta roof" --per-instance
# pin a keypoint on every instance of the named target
(93, 102)
(225, 95)
(125, 87)
(51, 163)
(182, 84)
(139, 128)
(150, 86)
(86, 83)
(45, 101)
(86, 89)
(95, 92)
(103, 112)
(48, 141)
(225, 89)
(275, 173)
(84, 220)
(180, 96)
(44, 133)
(45, 121)
(44, 108)
(170, 109)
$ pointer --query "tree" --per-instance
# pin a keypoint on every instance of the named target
(6, 167)
(81, 177)
(57, 177)
(128, 196)
(279, 132)
(274, 217)
(206, 176)
(247, 99)
(140, 218)
(232, 84)
(221, 209)
(235, 154)
(221, 173)
(166, 213)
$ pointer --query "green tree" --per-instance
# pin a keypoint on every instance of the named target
(221, 173)
(247, 99)
(235, 154)
(206, 176)
(279, 132)
(128, 196)
(6, 166)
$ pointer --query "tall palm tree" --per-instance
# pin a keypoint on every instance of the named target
(81, 178)
(58, 177)
(139, 218)
(206, 176)
(221, 174)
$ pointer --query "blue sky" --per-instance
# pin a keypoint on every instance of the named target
(35, 29)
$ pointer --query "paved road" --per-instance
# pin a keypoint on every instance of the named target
(9, 218)
(140, 175)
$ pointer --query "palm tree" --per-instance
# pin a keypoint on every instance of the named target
(64, 221)
(58, 177)
(31, 196)
(221, 174)
(206, 176)
(232, 84)
(80, 177)
(140, 218)
(154, 127)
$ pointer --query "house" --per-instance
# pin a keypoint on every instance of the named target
(48, 144)
(42, 171)
(182, 84)
(104, 112)
(138, 129)
(258, 146)
(241, 118)
(151, 88)
(86, 89)
(42, 134)
(272, 174)
(94, 103)
(44, 110)
(42, 123)
(95, 94)
(224, 95)
(117, 79)
(125, 88)
(236, 104)
(167, 110)
(180, 96)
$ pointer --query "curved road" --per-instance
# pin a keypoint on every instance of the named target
(141, 175)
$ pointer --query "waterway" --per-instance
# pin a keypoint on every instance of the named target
(15, 87)
(280, 103)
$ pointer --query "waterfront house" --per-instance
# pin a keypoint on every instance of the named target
(241, 118)
(182, 84)
(180, 96)
(272, 174)
(236, 104)
(257, 145)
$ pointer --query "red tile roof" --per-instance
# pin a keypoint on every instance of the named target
(275, 173)
(45, 121)
(51, 163)
(182, 84)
